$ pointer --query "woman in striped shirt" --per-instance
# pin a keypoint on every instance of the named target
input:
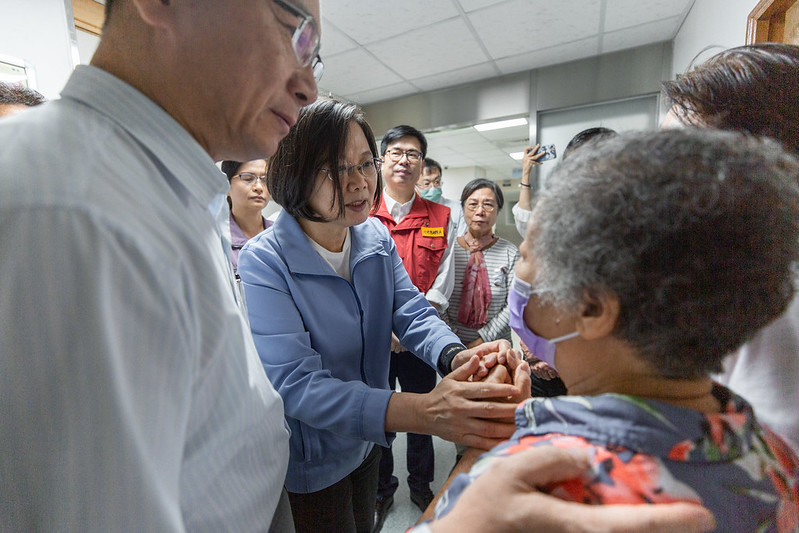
(478, 307)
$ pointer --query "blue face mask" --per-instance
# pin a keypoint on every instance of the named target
(540, 347)
(433, 194)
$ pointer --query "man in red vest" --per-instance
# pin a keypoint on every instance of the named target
(424, 237)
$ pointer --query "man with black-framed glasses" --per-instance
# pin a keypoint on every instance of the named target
(424, 234)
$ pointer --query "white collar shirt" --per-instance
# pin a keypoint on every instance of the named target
(133, 397)
(397, 210)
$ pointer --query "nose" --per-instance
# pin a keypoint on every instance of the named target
(303, 86)
(355, 180)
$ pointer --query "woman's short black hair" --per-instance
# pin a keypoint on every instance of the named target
(317, 141)
(231, 168)
(482, 183)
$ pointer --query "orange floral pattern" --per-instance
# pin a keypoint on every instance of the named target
(647, 452)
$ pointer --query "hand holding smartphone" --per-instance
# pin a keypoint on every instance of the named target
(548, 151)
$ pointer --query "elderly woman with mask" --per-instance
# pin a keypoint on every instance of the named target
(649, 258)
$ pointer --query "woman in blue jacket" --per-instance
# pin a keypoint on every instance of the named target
(325, 289)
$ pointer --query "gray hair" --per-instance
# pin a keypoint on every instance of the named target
(15, 94)
(696, 233)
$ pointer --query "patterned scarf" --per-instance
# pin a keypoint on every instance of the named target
(476, 290)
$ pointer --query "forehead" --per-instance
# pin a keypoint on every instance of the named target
(431, 172)
(483, 193)
(406, 143)
(257, 166)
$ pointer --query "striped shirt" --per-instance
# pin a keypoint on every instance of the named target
(500, 260)
(132, 395)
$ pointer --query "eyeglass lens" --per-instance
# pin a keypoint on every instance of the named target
(396, 155)
(488, 208)
(367, 169)
(250, 179)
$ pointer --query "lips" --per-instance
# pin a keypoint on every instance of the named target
(258, 198)
(289, 119)
(358, 205)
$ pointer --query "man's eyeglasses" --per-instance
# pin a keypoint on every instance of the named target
(414, 156)
(305, 39)
(368, 169)
(473, 206)
(249, 179)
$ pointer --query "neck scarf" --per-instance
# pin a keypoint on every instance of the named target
(476, 290)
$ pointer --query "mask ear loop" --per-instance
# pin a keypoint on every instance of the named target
(564, 337)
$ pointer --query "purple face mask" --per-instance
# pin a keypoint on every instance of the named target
(540, 347)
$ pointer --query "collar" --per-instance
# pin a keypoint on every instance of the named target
(237, 236)
(300, 256)
(158, 133)
(647, 426)
(402, 210)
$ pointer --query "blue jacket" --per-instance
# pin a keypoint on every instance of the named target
(325, 342)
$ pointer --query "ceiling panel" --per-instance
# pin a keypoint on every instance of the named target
(625, 13)
(662, 30)
(334, 41)
(550, 56)
(471, 5)
(356, 71)
(367, 21)
(387, 92)
(410, 54)
(519, 26)
(457, 76)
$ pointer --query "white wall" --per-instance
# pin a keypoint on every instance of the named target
(717, 23)
(37, 32)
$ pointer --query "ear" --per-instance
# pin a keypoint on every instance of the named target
(598, 315)
(156, 13)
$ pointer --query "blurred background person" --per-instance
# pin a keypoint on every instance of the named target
(246, 200)
(753, 89)
(325, 288)
(521, 211)
(649, 258)
(429, 188)
(15, 98)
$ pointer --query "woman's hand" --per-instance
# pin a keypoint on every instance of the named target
(531, 156)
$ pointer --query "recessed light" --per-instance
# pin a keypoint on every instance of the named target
(488, 126)
(518, 156)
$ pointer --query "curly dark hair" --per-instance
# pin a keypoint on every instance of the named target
(753, 88)
(695, 231)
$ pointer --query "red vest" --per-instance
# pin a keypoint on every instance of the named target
(421, 239)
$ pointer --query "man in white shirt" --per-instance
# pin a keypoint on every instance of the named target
(133, 397)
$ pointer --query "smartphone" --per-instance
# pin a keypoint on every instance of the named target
(549, 152)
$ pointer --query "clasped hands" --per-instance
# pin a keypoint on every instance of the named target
(475, 404)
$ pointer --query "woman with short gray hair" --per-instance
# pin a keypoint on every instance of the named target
(650, 257)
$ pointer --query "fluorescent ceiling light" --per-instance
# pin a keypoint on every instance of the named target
(518, 156)
(488, 126)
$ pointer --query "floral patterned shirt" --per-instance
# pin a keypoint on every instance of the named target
(645, 451)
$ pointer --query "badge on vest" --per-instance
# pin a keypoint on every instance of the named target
(432, 232)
